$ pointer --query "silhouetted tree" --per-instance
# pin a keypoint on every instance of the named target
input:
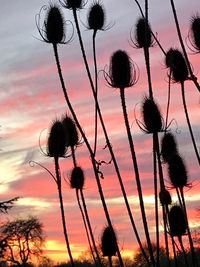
(21, 240)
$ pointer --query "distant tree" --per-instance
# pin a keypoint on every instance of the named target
(7, 205)
(139, 260)
(46, 262)
(20, 240)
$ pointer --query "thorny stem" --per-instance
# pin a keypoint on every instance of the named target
(58, 178)
(194, 79)
(103, 125)
(188, 228)
(168, 101)
(162, 187)
(135, 165)
(85, 216)
(85, 225)
(89, 226)
(94, 94)
(110, 261)
(156, 200)
(183, 250)
(96, 90)
(188, 122)
(86, 142)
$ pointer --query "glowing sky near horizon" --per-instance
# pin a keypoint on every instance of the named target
(31, 97)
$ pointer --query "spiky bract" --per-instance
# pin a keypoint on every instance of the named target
(109, 242)
(121, 70)
(152, 118)
(177, 221)
(177, 171)
(168, 146)
(56, 145)
(176, 62)
(77, 178)
(96, 17)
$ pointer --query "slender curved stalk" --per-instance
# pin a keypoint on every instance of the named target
(194, 79)
(110, 261)
(156, 201)
(174, 252)
(188, 229)
(85, 225)
(86, 219)
(135, 166)
(168, 101)
(183, 250)
(86, 142)
(81, 210)
(58, 178)
(89, 226)
(188, 122)
(162, 187)
(102, 122)
(96, 91)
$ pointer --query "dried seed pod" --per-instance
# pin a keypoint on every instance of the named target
(96, 17)
(77, 178)
(109, 242)
(54, 26)
(176, 62)
(152, 118)
(195, 32)
(120, 70)
(168, 146)
(72, 4)
(143, 34)
(72, 136)
(177, 171)
(56, 145)
(177, 221)
(165, 197)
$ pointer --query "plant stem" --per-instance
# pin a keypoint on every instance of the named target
(188, 122)
(58, 178)
(103, 125)
(110, 261)
(156, 200)
(188, 228)
(135, 166)
(90, 227)
(85, 226)
(86, 142)
(183, 250)
(96, 91)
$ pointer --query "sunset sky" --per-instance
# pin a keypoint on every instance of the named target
(31, 98)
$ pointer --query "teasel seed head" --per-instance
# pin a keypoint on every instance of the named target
(109, 242)
(165, 197)
(96, 17)
(72, 4)
(77, 178)
(56, 144)
(175, 61)
(153, 121)
(143, 35)
(71, 132)
(52, 29)
(168, 146)
(177, 221)
(195, 32)
(177, 171)
(122, 73)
